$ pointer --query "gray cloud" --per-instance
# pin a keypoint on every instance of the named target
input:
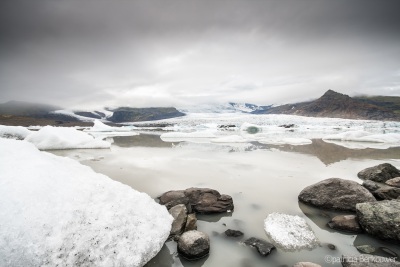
(148, 53)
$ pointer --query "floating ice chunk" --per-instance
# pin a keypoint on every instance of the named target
(56, 212)
(289, 232)
(50, 137)
(14, 132)
(347, 136)
(197, 137)
(250, 128)
(290, 141)
(381, 138)
(101, 127)
(230, 139)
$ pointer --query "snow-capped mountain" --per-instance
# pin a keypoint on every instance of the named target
(230, 107)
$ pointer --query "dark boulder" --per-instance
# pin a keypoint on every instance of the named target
(194, 245)
(348, 223)
(381, 219)
(394, 182)
(191, 222)
(200, 200)
(233, 233)
(179, 213)
(336, 193)
(382, 191)
(380, 173)
(262, 246)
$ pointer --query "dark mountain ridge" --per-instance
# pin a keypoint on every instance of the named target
(336, 105)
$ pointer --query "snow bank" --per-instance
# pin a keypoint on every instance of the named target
(289, 232)
(14, 132)
(230, 139)
(50, 137)
(57, 212)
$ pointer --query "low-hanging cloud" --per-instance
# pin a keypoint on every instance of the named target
(163, 53)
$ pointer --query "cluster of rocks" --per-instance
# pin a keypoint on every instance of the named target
(183, 205)
(375, 206)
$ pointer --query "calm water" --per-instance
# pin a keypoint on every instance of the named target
(261, 179)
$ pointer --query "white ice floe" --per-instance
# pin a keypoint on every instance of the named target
(56, 212)
(197, 137)
(14, 132)
(230, 139)
(289, 232)
(364, 139)
(99, 126)
(50, 137)
(290, 141)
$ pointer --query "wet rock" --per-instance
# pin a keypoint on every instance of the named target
(394, 182)
(183, 200)
(365, 260)
(366, 249)
(380, 173)
(262, 246)
(381, 219)
(194, 245)
(179, 213)
(336, 193)
(191, 222)
(382, 191)
(388, 251)
(306, 264)
(233, 233)
(287, 126)
(331, 246)
(200, 200)
(347, 223)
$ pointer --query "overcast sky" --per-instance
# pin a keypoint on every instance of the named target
(181, 52)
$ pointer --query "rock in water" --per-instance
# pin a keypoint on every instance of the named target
(382, 191)
(366, 249)
(381, 219)
(365, 260)
(336, 193)
(194, 245)
(347, 223)
(380, 173)
(200, 200)
(191, 222)
(289, 232)
(233, 233)
(179, 213)
(394, 182)
(262, 246)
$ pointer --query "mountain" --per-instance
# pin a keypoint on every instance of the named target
(389, 102)
(230, 107)
(336, 105)
(127, 114)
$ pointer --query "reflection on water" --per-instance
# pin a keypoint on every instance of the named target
(261, 181)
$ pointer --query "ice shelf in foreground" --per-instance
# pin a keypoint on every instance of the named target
(14, 132)
(50, 137)
(57, 212)
(289, 232)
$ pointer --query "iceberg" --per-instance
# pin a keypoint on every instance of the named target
(289, 232)
(50, 137)
(364, 140)
(290, 141)
(14, 132)
(56, 212)
(101, 127)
